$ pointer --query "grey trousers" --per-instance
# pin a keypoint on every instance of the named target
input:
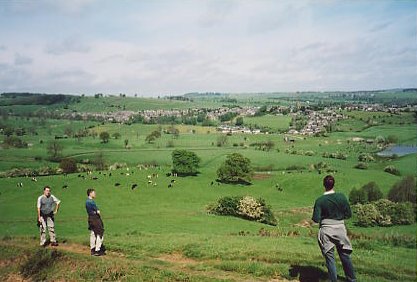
(48, 223)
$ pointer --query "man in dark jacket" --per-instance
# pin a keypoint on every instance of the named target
(95, 225)
(330, 211)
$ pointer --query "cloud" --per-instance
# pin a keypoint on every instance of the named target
(69, 45)
(22, 60)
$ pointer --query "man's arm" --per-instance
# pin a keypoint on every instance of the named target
(38, 206)
(348, 211)
(316, 213)
(57, 203)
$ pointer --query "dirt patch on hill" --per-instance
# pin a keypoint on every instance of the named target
(177, 258)
(261, 176)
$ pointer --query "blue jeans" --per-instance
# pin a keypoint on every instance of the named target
(346, 263)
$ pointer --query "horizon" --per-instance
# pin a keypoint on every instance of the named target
(171, 48)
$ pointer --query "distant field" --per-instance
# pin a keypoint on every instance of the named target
(276, 123)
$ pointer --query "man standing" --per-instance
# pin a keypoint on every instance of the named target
(330, 210)
(48, 206)
(95, 225)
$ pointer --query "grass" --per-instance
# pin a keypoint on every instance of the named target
(166, 234)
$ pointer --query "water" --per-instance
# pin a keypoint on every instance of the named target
(399, 150)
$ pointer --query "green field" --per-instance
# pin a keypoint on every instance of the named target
(154, 233)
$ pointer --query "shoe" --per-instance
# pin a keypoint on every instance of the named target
(97, 254)
(54, 244)
(93, 251)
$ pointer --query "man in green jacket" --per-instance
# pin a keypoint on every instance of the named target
(330, 211)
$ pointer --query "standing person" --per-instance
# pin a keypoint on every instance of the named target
(95, 225)
(47, 206)
(330, 210)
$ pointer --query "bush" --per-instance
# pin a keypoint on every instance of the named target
(369, 192)
(384, 213)
(14, 141)
(365, 157)
(245, 207)
(361, 165)
(68, 165)
(392, 170)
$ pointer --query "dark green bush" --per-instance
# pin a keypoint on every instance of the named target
(369, 192)
(361, 165)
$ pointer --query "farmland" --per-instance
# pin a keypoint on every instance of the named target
(165, 234)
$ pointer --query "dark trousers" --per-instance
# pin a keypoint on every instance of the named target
(344, 256)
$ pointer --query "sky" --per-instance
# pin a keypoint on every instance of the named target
(174, 47)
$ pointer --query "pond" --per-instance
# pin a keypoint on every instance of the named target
(399, 150)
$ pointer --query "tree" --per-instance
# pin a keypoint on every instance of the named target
(68, 131)
(54, 150)
(100, 162)
(369, 192)
(185, 162)
(221, 140)
(404, 190)
(116, 135)
(153, 136)
(104, 136)
(239, 121)
(235, 169)
(68, 165)
(391, 139)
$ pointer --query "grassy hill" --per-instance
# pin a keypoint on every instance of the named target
(156, 233)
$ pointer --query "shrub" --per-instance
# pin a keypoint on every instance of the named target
(365, 157)
(404, 190)
(68, 165)
(369, 192)
(185, 162)
(392, 170)
(361, 165)
(384, 213)
(245, 207)
(14, 141)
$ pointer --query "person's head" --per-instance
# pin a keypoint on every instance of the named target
(47, 191)
(328, 182)
(91, 193)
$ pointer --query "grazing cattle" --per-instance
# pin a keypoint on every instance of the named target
(79, 175)
(212, 183)
(149, 176)
(116, 184)
(65, 186)
(172, 180)
(170, 185)
(19, 184)
(134, 186)
(99, 172)
(155, 184)
(168, 174)
(95, 178)
(127, 174)
(149, 181)
(110, 174)
(34, 179)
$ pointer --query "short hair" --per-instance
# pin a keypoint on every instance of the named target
(89, 190)
(328, 182)
(46, 187)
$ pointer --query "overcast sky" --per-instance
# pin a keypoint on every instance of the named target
(174, 47)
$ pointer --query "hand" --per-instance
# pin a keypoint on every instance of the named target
(55, 212)
(39, 219)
